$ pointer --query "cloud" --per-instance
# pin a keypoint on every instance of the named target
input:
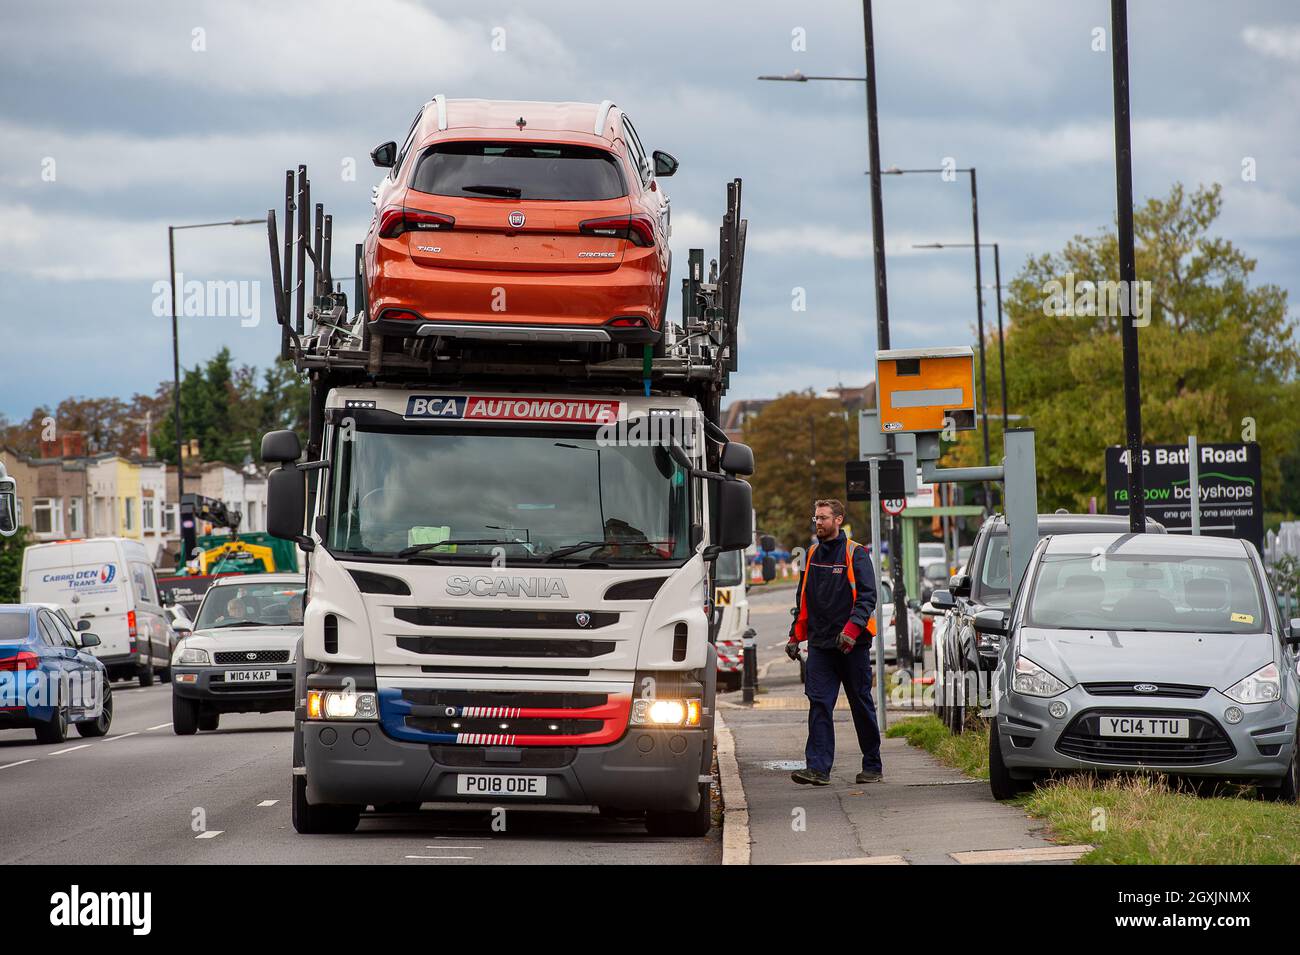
(1280, 42)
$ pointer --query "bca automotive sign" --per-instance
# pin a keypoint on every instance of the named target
(1229, 479)
(510, 408)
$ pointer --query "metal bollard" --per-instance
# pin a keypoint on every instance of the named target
(750, 679)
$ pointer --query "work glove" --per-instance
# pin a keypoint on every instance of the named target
(792, 650)
(846, 642)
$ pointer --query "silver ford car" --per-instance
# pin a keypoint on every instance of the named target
(1145, 652)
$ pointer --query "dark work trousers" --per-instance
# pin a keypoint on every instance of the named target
(825, 672)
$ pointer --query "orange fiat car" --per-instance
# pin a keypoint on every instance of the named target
(518, 221)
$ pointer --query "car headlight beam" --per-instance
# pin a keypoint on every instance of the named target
(1262, 686)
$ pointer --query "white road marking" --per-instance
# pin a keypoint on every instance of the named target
(267, 802)
(210, 834)
(160, 726)
(70, 749)
(19, 763)
(122, 736)
(441, 857)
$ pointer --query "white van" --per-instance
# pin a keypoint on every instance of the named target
(108, 581)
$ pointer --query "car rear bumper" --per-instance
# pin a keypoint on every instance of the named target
(647, 769)
(209, 686)
(1257, 748)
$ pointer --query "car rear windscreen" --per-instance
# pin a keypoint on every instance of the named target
(542, 171)
(14, 625)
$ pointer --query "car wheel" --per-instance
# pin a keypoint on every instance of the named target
(55, 729)
(209, 721)
(696, 823)
(320, 820)
(99, 727)
(146, 675)
(957, 712)
(185, 716)
(1000, 779)
(1288, 791)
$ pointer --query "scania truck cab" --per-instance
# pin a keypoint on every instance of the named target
(507, 600)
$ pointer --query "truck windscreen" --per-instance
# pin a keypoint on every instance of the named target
(524, 495)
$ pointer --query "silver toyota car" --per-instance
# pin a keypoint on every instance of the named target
(1145, 652)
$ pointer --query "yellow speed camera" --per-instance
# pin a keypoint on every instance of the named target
(926, 389)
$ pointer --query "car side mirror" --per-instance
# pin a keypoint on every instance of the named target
(959, 585)
(992, 622)
(942, 600)
(280, 447)
(384, 155)
(1293, 633)
(83, 625)
(89, 640)
(737, 458)
(665, 164)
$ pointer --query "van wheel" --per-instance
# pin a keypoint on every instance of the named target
(99, 727)
(185, 716)
(697, 823)
(209, 721)
(146, 675)
(165, 675)
(320, 820)
(1287, 792)
(1000, 780)
(55, 730)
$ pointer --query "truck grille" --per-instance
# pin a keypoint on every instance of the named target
(506, 619)
(251, 656)
(506, 647)
(1207, 743)
(503, 718)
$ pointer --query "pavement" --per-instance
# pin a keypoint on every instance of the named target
(922, 813)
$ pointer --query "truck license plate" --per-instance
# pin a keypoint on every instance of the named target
(250, 676)
(1144, 727)
(496, 784)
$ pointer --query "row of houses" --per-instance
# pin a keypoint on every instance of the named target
(66, 493)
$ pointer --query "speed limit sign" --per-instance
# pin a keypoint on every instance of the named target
(894, 505)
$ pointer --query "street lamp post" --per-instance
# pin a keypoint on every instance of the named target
(176, 364)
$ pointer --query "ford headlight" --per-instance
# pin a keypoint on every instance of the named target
(341, 705)
(1262, 686)
(192, 656)
(1033, 680)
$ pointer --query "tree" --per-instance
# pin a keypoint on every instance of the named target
(1218, 356)
(786, 435)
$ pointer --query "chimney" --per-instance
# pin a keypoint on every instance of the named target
(74, 444)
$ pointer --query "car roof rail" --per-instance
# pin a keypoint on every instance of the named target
(440, 101)
(602, 116)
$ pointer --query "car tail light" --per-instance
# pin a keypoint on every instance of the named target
(130, 624)
(22, 660)
(638, 229)
(396, 220)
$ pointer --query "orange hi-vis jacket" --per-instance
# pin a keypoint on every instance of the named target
(799, 631)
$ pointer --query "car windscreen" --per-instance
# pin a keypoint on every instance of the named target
(15, 624)
(1182, 594)
(539, 171)
(252, 604)
(525, 496)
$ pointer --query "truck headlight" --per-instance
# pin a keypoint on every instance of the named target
(341, 705)
(1262, 686)
(193, 656)
(666, 712)
(1033, 680)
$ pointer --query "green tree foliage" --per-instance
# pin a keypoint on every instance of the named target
(785, 435)
(1218, 351)
(11, 565)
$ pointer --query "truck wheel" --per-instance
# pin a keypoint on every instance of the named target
(185, 716)
(697, 823)
(1000, 780)
(146, 675)
(99, 727)
(54, 730)
(209, 721)
(320, 820)
(165, 675)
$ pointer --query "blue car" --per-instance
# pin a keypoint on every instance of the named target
(48, 677)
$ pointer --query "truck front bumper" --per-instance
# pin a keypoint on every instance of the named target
(354, 763)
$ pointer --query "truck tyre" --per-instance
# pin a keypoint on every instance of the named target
(1000, 780)
(55, 729)
(209, 721)
(99, 727)
(697, 823)
(146, 675)
(320, 820)
(185, 716)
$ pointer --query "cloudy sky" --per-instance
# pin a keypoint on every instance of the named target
(117, 119)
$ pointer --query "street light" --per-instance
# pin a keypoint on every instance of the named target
(997, 284)
(176, 361)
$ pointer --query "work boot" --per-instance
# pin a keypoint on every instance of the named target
(869, 776)
(810, 777)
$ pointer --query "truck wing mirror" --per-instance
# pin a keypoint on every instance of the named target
(737, 458)
(280, 447)
(286, 502)
(733, 522)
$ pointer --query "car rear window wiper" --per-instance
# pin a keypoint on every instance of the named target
(505, 192)
(418, 548)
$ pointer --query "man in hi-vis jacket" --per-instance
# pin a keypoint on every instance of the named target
(834, 603)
